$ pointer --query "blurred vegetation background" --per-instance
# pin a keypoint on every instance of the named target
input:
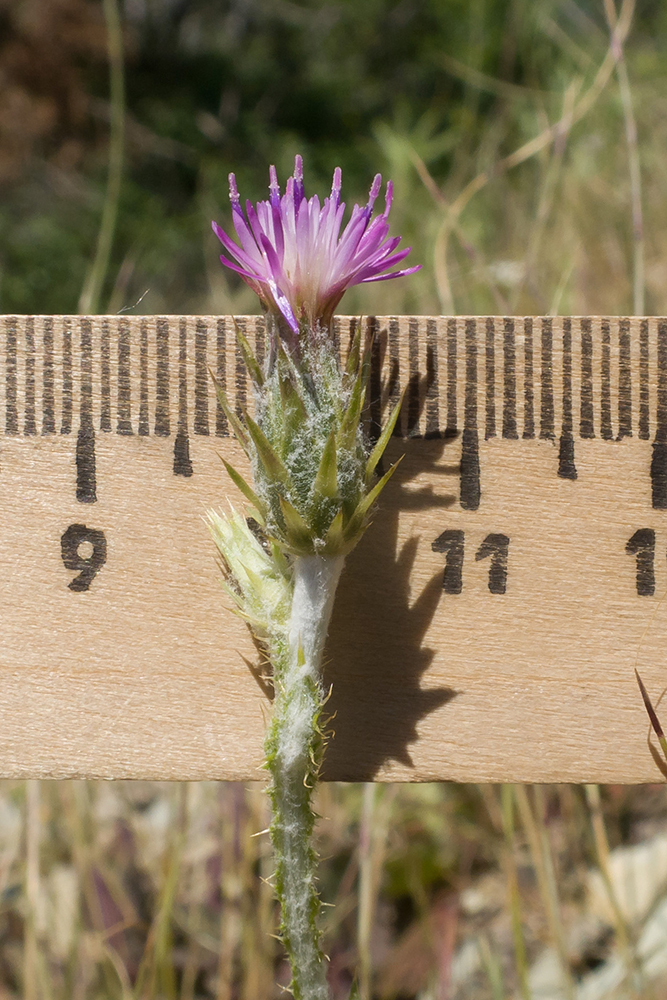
(526, 140)
(433, 93)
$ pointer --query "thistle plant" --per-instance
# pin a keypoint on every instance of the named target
(310, 496)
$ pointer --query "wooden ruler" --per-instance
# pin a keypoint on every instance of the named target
(487, 627)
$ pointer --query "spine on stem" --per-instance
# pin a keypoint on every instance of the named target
(294, 750)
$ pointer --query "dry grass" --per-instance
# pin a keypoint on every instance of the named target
(112, 891)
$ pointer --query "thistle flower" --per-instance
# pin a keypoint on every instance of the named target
(294, 256)
(311, 494)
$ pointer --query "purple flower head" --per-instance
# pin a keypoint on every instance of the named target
(292, 252)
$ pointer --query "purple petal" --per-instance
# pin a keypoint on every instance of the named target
(374, 236)
(283, 304)
(302, 221)
(388, 198)
(239, 270)
(273, 186)
(278, 234)
(378, 253)
(349, 241)
(255, 225)
(248, 242)
(373, 193)
(298, 180)
(382, 263)
(314, 213)
(248, 260)
(336, 185)
(274, 263)
(394, 274)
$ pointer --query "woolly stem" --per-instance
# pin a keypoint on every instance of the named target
(294, 750)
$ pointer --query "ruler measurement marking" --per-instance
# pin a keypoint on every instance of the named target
(470, 478)
(661, 416)
(86, 395)
(201, 425)
(240, 371)
(558, 364)
(606, 432)
(48, 379)
(615, 375)
(452, 414)
(528, 387)
(29, 425)
(393, 387)
(659, 461)
(182, 462)
(124, 404)
(644, 430)
(566, 465)
(375, 381)
(509, 380)
(162, 425)
(432, 424)
(547, 397)
(143, 428)
(260, 339)
(414, 401)
(11, 355)
(614, 371)
(105, 377)
(586, 420)
(635, 375)
(221, 428)
(490, 358)
(625, 381)
(354, 322)
(400, 382)
(520, 387)
(68, 383)
(596, 365)
(86, 481)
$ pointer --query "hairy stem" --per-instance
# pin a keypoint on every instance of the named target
(294, 748)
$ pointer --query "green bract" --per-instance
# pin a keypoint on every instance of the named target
(313, 469)
(258, 578)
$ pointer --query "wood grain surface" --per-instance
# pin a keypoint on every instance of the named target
(486, 628)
